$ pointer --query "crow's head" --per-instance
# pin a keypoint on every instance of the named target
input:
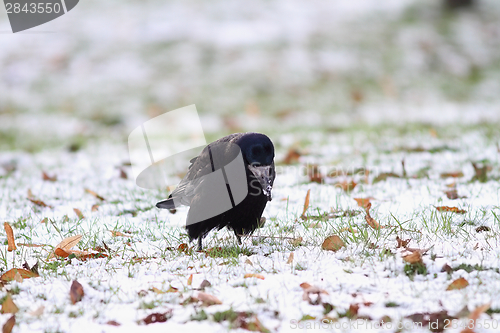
(258, 153)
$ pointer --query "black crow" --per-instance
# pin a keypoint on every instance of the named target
(227, 185)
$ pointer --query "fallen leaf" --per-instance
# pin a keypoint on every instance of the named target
(68, 242)
(76, 292)
(248, 262)
(292, 156)
(474, 316)
(10, 237)
(158, 291)
(438, 321)
(78, 213)
(61, 253)
(453, 194)
(482, 228)
(312, 293)
(95, 208)
(253, 275)
(447, 268)
(370, 220)
(38, 312)
(172, 290)
(306, 204)
(204, 284)
(481, 173)
(451, 209)
(459, 283)
(296, 241)
(118, 233)
(332, 243)
(9, 324)
(314, 174)
(208, 299)
(363, 202)
(290, 258)
(94, 194)
(46, 177)
(402, 243)
(39, 203)
(10, 274)
(455, 174)
(113, 323)
(18, 277)
(158, 317)
(384, 176)
(347, 186)
(183, 247)
(190, 280)
(413, 258)
(123, 174)
(8, 305)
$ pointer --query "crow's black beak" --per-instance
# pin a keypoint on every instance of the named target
(265, 177)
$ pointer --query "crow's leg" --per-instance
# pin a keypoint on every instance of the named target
(200, 247)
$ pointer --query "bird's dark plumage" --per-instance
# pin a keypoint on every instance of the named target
(227, 185)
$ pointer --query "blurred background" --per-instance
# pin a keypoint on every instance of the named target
(275, 66)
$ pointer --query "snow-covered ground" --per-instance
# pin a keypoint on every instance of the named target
(354, 86)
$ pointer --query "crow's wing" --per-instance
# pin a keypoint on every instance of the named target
(201, 166)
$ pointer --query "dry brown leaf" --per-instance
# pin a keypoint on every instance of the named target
(248, 262)
(95, 208)
(363, 202)
(296, 241)
(190, 280)
(451, 209)
(208, 299)
(474, 316)
(253, 275)
(454, 174)
(414, 257)
(94, 194)
(8, 305)
(113, 323)
(305, 285)
(453, 194)
(370, 220)
(312, 293)
(347, 186)
(290, 258)
(314, 174)
(68, 242)
(61, 253)
(10, 237)
(46, 177)
(204, 284)
(172, 290)
(18, 277)
(118, 233)
(158, 317)
(76, 292)
(38, 312)
(123, 174)
(401, 242)
(292, 156)
(459, 283)
(9, 324)
(39, 203)
(29, 194)
(306, 203)
(78, 213)
(332, 243)
(10, 274)
(158, 291)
